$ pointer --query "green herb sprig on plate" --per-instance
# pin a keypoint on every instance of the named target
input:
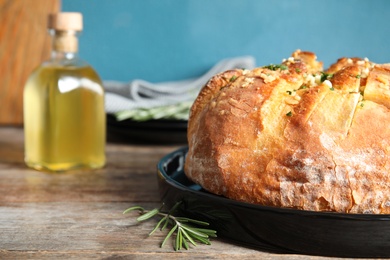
(187, 230)
(179, 111)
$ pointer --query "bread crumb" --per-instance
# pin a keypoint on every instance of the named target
(328, 83)
(292, 101)
(247, 82)
(269, 76)
(360, 62)
(365, 72)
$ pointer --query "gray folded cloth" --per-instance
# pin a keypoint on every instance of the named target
(143, 94)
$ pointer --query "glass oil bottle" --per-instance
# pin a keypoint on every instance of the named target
(64, 117)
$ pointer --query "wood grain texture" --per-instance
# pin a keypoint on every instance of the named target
(24, 44)
(78, 215)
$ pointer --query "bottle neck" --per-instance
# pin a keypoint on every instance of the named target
(61, 55)
(64, 45)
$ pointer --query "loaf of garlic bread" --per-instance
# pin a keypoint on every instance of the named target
(294, 135)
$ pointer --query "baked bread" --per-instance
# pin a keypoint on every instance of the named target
(295, 136)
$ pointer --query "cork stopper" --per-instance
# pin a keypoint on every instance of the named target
(65, 27)
(66, 22)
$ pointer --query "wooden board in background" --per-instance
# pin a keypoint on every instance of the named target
(24, 44)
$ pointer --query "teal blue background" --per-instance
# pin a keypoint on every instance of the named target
(162, 40)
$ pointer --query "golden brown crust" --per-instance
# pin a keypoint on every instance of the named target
(280, 136)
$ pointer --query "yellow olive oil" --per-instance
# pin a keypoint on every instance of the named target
(64, 119)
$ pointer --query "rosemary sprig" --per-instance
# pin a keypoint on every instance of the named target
(179, 111)
(187, 230)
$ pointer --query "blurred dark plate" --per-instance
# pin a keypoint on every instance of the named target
(271, 229)
(151, 131)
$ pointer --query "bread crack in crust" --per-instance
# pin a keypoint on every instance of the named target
(294, 135)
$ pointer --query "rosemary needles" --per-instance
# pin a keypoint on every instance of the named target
(187, 230)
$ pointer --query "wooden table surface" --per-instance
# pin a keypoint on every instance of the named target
(78, 215)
